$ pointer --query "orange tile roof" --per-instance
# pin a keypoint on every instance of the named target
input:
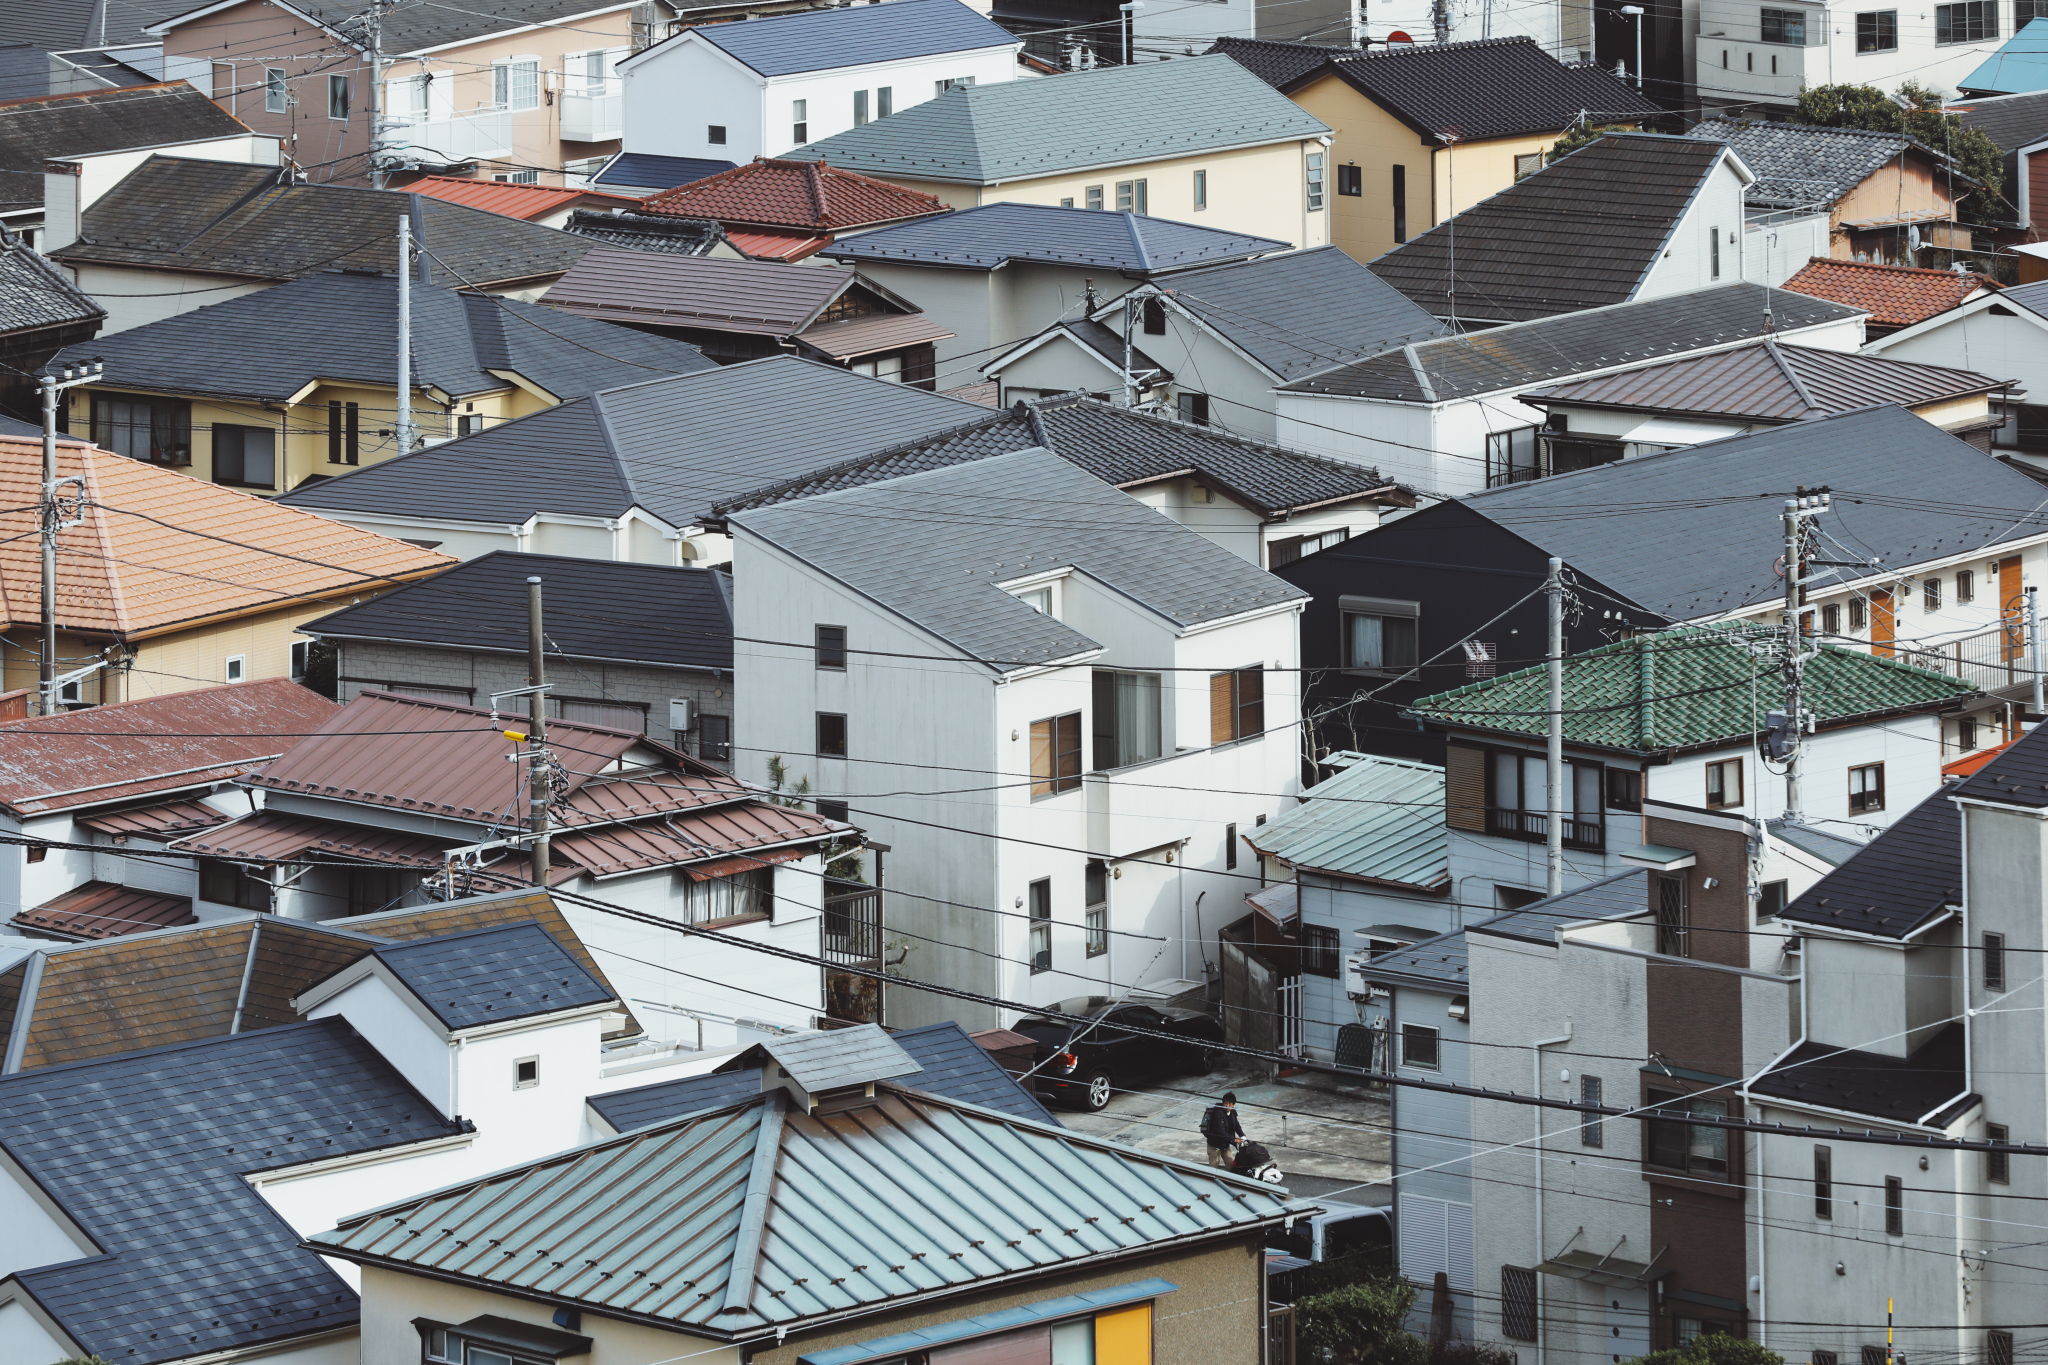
(794, 194)
(515, 201)
(778, 246)
(1894, 295)
(160, 551)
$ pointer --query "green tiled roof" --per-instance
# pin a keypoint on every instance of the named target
(1684, 689)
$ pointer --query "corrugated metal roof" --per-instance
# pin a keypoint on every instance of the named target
(487, 976)
(855, 337)
(160, 821)
(758, 297)
(834, 1058)
(691, 838)
(1086, 239)
(514, 201)
(754, 1216)
(274, 836)
(782, 45)
(1380, 818)
(106, 910)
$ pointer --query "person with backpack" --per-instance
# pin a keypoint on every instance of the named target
(1222, 1131)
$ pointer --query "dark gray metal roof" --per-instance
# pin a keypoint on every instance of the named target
(1442, 963)
(34, 130)
(1617, 897)
(2011, 121)
(1278, 63)
(1581, 233)
(760, 297)
(488, 976)
(1548, 348)
(833, 1059)
(1907, 875)
(28, 72)
(672, 446)
(1830, 846)
(996, 234)
(346, 323)
(1303, 311)
(147, 1152)
(1711, 509)
(1899, 1089)
(647, 231)
(35, 294)
(1111, 116)
(941, 518)
(596, 609)
(1803, 163)
(64, 25)
(784, 44)
(629, 171)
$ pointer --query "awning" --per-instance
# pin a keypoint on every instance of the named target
(1593, 1268)
(856, 337)
(274, 837)
(1087, 1302)
(1659, 856)
(1279, 902)
(726, 867)
(103, 910)
(164, 820)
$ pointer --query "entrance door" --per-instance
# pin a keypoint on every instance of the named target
(1628, 1323)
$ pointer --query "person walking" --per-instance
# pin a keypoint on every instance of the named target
(1222, 1131)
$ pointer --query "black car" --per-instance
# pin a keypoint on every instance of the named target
(1084, 1064)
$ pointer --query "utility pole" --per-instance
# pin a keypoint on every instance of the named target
(537, 738)
(1129, 378)
(376, 24)
(1553, 826)
(50, 520)
(405, 427)
(1788, 729)
(2034, 644)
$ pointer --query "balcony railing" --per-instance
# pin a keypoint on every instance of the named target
(1990, 659)
(853, 927)
(594, 113)
(1534, 826)
(475, 135)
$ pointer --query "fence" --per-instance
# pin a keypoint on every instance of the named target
(1990, 659)
(852, 933)
(1280, 1334)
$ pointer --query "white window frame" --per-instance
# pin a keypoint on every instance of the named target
(505, 82)
(277, 90)
(236, 668)
(339, 82)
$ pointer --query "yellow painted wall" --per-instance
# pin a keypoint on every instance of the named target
(1957, 412)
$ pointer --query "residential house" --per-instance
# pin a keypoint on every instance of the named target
(630, 473)
(30, 72)
(1164, 1258)
(1199, 140)
(787, 210)
(748, 310)
(1895, 296)
(246, 228)
(2019, 125)
(1887, 195)
(642, 173)
(763, 87)
(89, 32)
(1409, 119)
(1751, 59)
(1278, 61)
(509, 94)
(1002, 274)
(638, 647)
(548, 205)
(2019, 67)
(41, 312)
(1176, 656)
(2006, 330)
(1447, 413)
(1217, 340)
(156, 117)
(320, 399)
(1944, 591)
(166, 584)
(102, 781)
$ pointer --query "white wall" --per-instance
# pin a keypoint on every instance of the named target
(390, 1024)
(1908, 746)
(1776, 248)
(1688, 259)
(22, 1337)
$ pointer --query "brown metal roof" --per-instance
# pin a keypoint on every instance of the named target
(864, 336)
(641, 795)
(761, 297)
(1769, 382)
(164, 820)
(684, 839)
(105, 910)
(274, 837)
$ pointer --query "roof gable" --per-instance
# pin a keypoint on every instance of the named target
(798, 194)
(783, 45)
(34, 130)
(1492, 88)
(493, 976)
(1804, 164)
(992, 235)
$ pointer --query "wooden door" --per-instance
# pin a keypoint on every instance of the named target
(2012, 607)
(1882, 628)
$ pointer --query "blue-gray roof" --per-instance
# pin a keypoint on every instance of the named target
(1112, 116)
(782, 45)
(2018, 68)
(1443, 962)
(147, 1152)
(1085, 239)
(629, 171)
(832, 1059)
(1381, 819)
(1621, 896)
(487, 976)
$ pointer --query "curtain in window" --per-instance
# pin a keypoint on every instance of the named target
(1381, 641)
(743, 893)
(1137, 717)
(157, 430)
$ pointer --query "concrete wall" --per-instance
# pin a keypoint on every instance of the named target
(392, 1300)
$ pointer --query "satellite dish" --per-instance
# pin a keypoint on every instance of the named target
(1397, 36)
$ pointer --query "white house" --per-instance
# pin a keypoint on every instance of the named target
(1751, 53)
(740, 90)
(2005, 334)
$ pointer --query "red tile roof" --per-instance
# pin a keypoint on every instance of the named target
(516, 201)
(778, 246)
(1894, 295)
(794, 194)
(104, 910)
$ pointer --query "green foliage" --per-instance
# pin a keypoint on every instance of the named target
(1714, 1348)
(1581, 135)
(1970, 149)
(778, 778)
(82, 1360)
(1357, 1322)
(1473, 1353)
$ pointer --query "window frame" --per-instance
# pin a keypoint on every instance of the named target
(1382, 609)
(522, 1081)
(1866, 799)
(885, 101)
(338, 85)
(1824, 1183)
(170, 426)
(1997, 1165)
(249, 894)
(1201, 190)
(1673, 914)
(860, 108)
(1591, 1131)
(1659, 1120)
(235, 668)
(277, 90)
(1315, 181)
(1993, 975)
(1883, 25)
(507, 87)
(1720, 768)
(1518, 1303)
(1397, 199)
(830, 725)
(1322, 950)
(1038, 903)
(714, 134)
(1772, 898)
(1095, 909)
(1049, 740)
(1966, 586)
(238, 433)
(1411, 1033)
(1091, 198)
(1831, 618)
(1766, 13)
(1980, 26)
(1105, 729)
(829, 653)
(1350, 180)
(1894, 1206)
(1859, 615)
(1247, 713)
(800, 121)
(1624, 789)
(714, 738)
(1514, 821)
(1930, 593)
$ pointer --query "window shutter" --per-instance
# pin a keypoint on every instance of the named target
(1465, 788)
(1458, 1252)
(1222, 711)
(1032, 1346)
(1424, 1238)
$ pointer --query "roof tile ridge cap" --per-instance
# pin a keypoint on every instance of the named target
(1785, 368)
(814, 185)
(1138, 242)
(762, 1174)
(995, 418)
(89, 475)
(611, 445)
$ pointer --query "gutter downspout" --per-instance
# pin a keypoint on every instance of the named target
(248, 971)
(1536, 1121)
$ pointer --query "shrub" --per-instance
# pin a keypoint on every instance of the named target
(1356, 1322)
(1714, 1348)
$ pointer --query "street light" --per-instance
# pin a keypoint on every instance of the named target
(1635, 12)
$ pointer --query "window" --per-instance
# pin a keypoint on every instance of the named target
(1994, 962)
(1877, 30)
(1419, 1047)
(1229, 847)
(831, 648)
(1724, 783)
(1874, 1355)
(1894, 1206)
(885, 100)
(1237, 705)
(1126, 720)
(1379, 633)
(835, 810)
(1130, 196)
(1966, 586)
(1518, 1302)
(237, 669)
(1866, 788)
(1295, 547)
(860, 108)
(1624, 789)
(276, 93)
(1518, 801)
(1193, 407)
(1823, 1183)
(1930, 594)
(1694, 1148)
(800, 121)
(1038, 599)
(516, 84)
(244, 455)
(1056, 754)
(2025, 12)
(1998, 1345)
(1966, 734)
(952, 83)
(743, 895)
(1041, 925)
(301, 652)
(1511, 456)
(518, 178)
(469, 423)
(1095, 883)
(1859, 614)
(1315, 182)
(1066, 203)
(1974, 21)
(1713, 253)
(1155, 318)
(831, 735)
(337, 97)
(715, 134)
(1785, 26)
(714, 738)
(1528, 164)
(1831, 619)
(344, 433)
(226, 883)
(156, 430)
(1321, 953)
(38, 852)
(1201, 190)
(1590, 1134)
(1398, 198)
(613, 715)
(525, 1073)
(418, 92)
(1093, 196)
(1998, 1165)
(1674, 914)
(1351, 180)
(1772, 898)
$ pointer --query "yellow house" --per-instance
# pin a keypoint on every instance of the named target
(1421, 133)
(299, 382)
(173, 584)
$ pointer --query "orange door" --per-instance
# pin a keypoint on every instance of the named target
(2012, 606)
(1881, 622)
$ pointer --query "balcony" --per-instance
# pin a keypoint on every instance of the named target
(476, 135)
(595, 112)
(1991, 659)
(1739, 68)
(1589, 836)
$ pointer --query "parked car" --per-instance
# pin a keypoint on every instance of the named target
(1339, 1233)
(1083, 1064)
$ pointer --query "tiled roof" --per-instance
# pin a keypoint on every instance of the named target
(643, 171)
(35, 294)
(162, 1189)
(1380, 820)
(1278, 63)
(596, 609)
(1910, 873)
(2011, 121)
(833, 1059)
(34, 130)
(2017, 68)
(646, 232)
(1580, 233)
(488, 976)
(1689, 689)
(819, 40)
(1111, 116)
(418, 25)
(756, 297)
(1798, 164)
(776, 246)
(64, 25)
(1893, 295)
(514, 201)
(2015, 778)
(114, 753)
(993, 235)
(1443, 962)
(1491, 88)
(160, 551)
(1926, 1085)
(797, 194)
(107, 910)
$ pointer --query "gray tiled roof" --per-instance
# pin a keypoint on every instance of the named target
(1112, 116)
(1551, 348)
(785, 44)
(1581, 233)
(1616, 897)
(647, 231)
(2011, 121)
(1278, 63)
(834, 1058)
(347, 322)
(147, 1152)
(672, 446)
(1443, 962)
(1926, 1083)
(995, 234)
(862, 536)
(33, 131)
(1303, 311)
(1803, 163)
(1911, 872)
(596, 609)
(35, 294)
(487, 976)
(63, 25)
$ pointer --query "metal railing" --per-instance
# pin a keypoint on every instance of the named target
(456, 140)
(1534, 825)
(1993, 658)
(853, 927)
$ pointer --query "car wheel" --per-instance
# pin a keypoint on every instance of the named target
(1098, 1089)
(1209, 1059)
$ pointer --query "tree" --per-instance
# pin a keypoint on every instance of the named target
(1917, 112)
(1356, 1322)
(1712, 1348)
